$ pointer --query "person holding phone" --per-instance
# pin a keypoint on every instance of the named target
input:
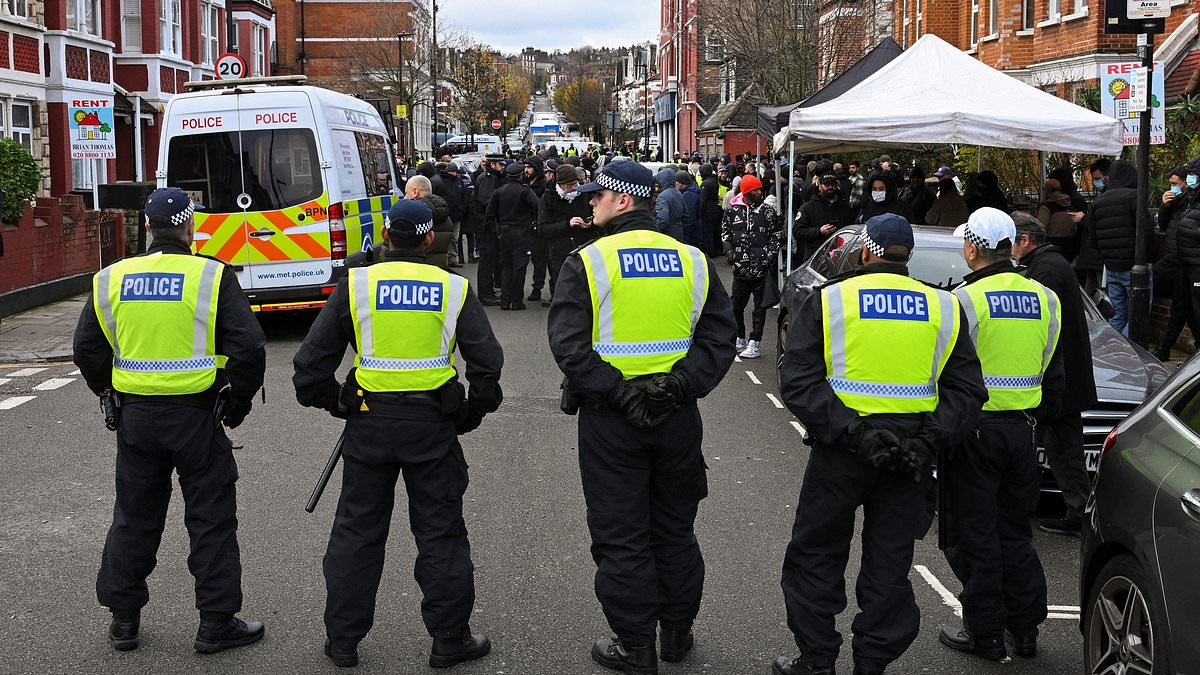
(820, 216)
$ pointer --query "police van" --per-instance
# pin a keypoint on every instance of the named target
(287, 179)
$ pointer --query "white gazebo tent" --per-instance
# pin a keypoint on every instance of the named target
(934, 94)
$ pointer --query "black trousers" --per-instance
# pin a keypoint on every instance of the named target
(539, 253)
(1189, 293)
(381, 446)
(152, 440)
(514, 259)
(1063, 437)
(992, 484)
(1168, 279)
(742, 290)
(896, 512)
(643, 488)
(489, 264)
(556, 262)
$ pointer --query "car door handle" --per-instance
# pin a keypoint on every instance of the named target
(1191, 503)
(264, 232)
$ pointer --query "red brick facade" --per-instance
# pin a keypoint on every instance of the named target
(55, 240)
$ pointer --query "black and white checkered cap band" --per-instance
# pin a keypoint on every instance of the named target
(873, 247)
(975, 239)
(183, 216)
(609, 183)
(423, 228)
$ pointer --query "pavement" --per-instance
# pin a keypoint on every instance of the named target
(42, 334)
(524, 510)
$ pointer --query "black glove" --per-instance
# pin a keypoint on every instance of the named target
(672, 388)
(470, 422)
(631, 397)
(917, 453)
(878, 447)
(236, 413)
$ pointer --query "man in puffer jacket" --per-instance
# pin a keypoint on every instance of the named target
(752, 233)
(1114, 227)
(1187, 245)
(669, 208)
(692, 232)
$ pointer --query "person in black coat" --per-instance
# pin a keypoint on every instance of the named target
(539, 253)
(1113, 232)
(710, 209)
(1063, 435)
(487, 179)
(820, 217)
(564, 221)
(880, 197)
(1187, 245)
(918, 197)
(1175, 202)
(513, 210)
(987, 192)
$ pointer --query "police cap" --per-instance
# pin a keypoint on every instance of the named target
(410, 218)
(887, 230)
(628, 178)
(168, 207)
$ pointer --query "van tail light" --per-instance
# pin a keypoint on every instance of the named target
(1109, 441)
(337, 235)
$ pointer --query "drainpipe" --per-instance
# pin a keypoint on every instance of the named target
(138, 159)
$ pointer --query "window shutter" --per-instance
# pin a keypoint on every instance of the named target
(131, 22)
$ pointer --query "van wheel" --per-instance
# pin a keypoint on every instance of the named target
(1124, 631)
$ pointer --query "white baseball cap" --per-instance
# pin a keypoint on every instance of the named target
(987, 228)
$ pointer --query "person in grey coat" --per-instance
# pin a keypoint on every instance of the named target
(670, 208)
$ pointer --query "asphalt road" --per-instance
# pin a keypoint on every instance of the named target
(525, 513)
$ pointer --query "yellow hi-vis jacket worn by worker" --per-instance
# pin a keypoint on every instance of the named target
(1014, 323)
(648, 291)
(887, 339)
(159, 313)
(405, 319)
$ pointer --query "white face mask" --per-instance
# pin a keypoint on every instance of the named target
(878, 196)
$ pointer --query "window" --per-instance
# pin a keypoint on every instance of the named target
(975, 22)
(131, 25)
(1027, 14)
(83, 174)
(210, 32)
(169, 26)
(904, 23)
(729, 85)
(1080, 6)
(993, 17)
(1186, 408)
(258, 39)
(920, 15)
(277, 168)
(21, 129)
(17, 8)
(84, 16)
(714, 48)
(1052, 12)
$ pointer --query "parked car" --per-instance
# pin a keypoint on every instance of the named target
(1125, 373)
(1141, 538)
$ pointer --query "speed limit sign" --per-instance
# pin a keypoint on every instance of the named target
(230, 67)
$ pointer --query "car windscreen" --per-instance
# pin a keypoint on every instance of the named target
(940, 267)
(277, 168)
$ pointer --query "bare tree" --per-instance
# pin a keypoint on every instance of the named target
(480, 89)
(774, 41)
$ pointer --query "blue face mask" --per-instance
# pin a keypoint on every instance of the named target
(1099, 184)
(1176, 190)
(1192, 180)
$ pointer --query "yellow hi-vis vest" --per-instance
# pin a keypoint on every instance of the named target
(405, 320)
(887, 339)
(647, 294)
(1014, 323)
(159, 313)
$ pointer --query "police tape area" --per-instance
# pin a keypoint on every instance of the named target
(956, 381)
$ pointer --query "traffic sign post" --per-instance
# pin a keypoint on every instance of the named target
(230, 66)
(496, 125)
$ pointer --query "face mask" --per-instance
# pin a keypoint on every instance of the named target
(1193, 180)
(1176, 190)
(878, 196)
(1099, 184)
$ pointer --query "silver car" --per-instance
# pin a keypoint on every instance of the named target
(1125, 373)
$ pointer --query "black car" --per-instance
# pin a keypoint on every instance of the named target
(1125, 373)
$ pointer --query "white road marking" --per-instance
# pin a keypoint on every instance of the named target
(25, 372)
(947, 596)
(54, 383)
(4, 380)
(14, 401)
(774, 400)
(1063, 608)
(752, 376)
(799, 427)
(74, 372)
(737, 359)
(1058, 615)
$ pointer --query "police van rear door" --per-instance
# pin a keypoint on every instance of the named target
(201, 154)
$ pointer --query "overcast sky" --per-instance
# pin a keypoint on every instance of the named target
(512, 25)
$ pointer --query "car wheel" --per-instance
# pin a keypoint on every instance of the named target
(780, 345)
(1123, 630)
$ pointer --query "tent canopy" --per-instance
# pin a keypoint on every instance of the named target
(772, 119)
(934, 94)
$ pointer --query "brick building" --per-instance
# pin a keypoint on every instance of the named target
(847, 30)
(351, 46)
(1056, 45)
(689, 65)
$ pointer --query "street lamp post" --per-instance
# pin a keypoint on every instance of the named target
(400, 37)
(433, 65)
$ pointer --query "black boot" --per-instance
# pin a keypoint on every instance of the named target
(535, 295)
(220, 631)
(489, 301)
(447, 652)
(1023, 641)
(962, 639)
(799, 665)
(343, 653)
(673, 645)
(123, 631)
(629, 658)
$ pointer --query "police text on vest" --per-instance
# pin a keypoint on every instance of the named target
(421, 296)
(158, 286)
(1014, 305)
(640, 263)
(894, 304)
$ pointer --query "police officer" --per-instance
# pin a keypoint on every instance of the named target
(487, 180)
(170, 338)
(992, 481)
(841, 376)
(404, 408)
(641, 327)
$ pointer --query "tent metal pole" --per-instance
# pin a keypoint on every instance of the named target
(978, 159)
(791, 203)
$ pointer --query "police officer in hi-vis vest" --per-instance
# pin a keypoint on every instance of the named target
(170, 344)
(881, 372)
(993, 479)
(642, 327)
(404, 409)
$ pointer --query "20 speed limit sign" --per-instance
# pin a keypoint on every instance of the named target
(230, 67)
